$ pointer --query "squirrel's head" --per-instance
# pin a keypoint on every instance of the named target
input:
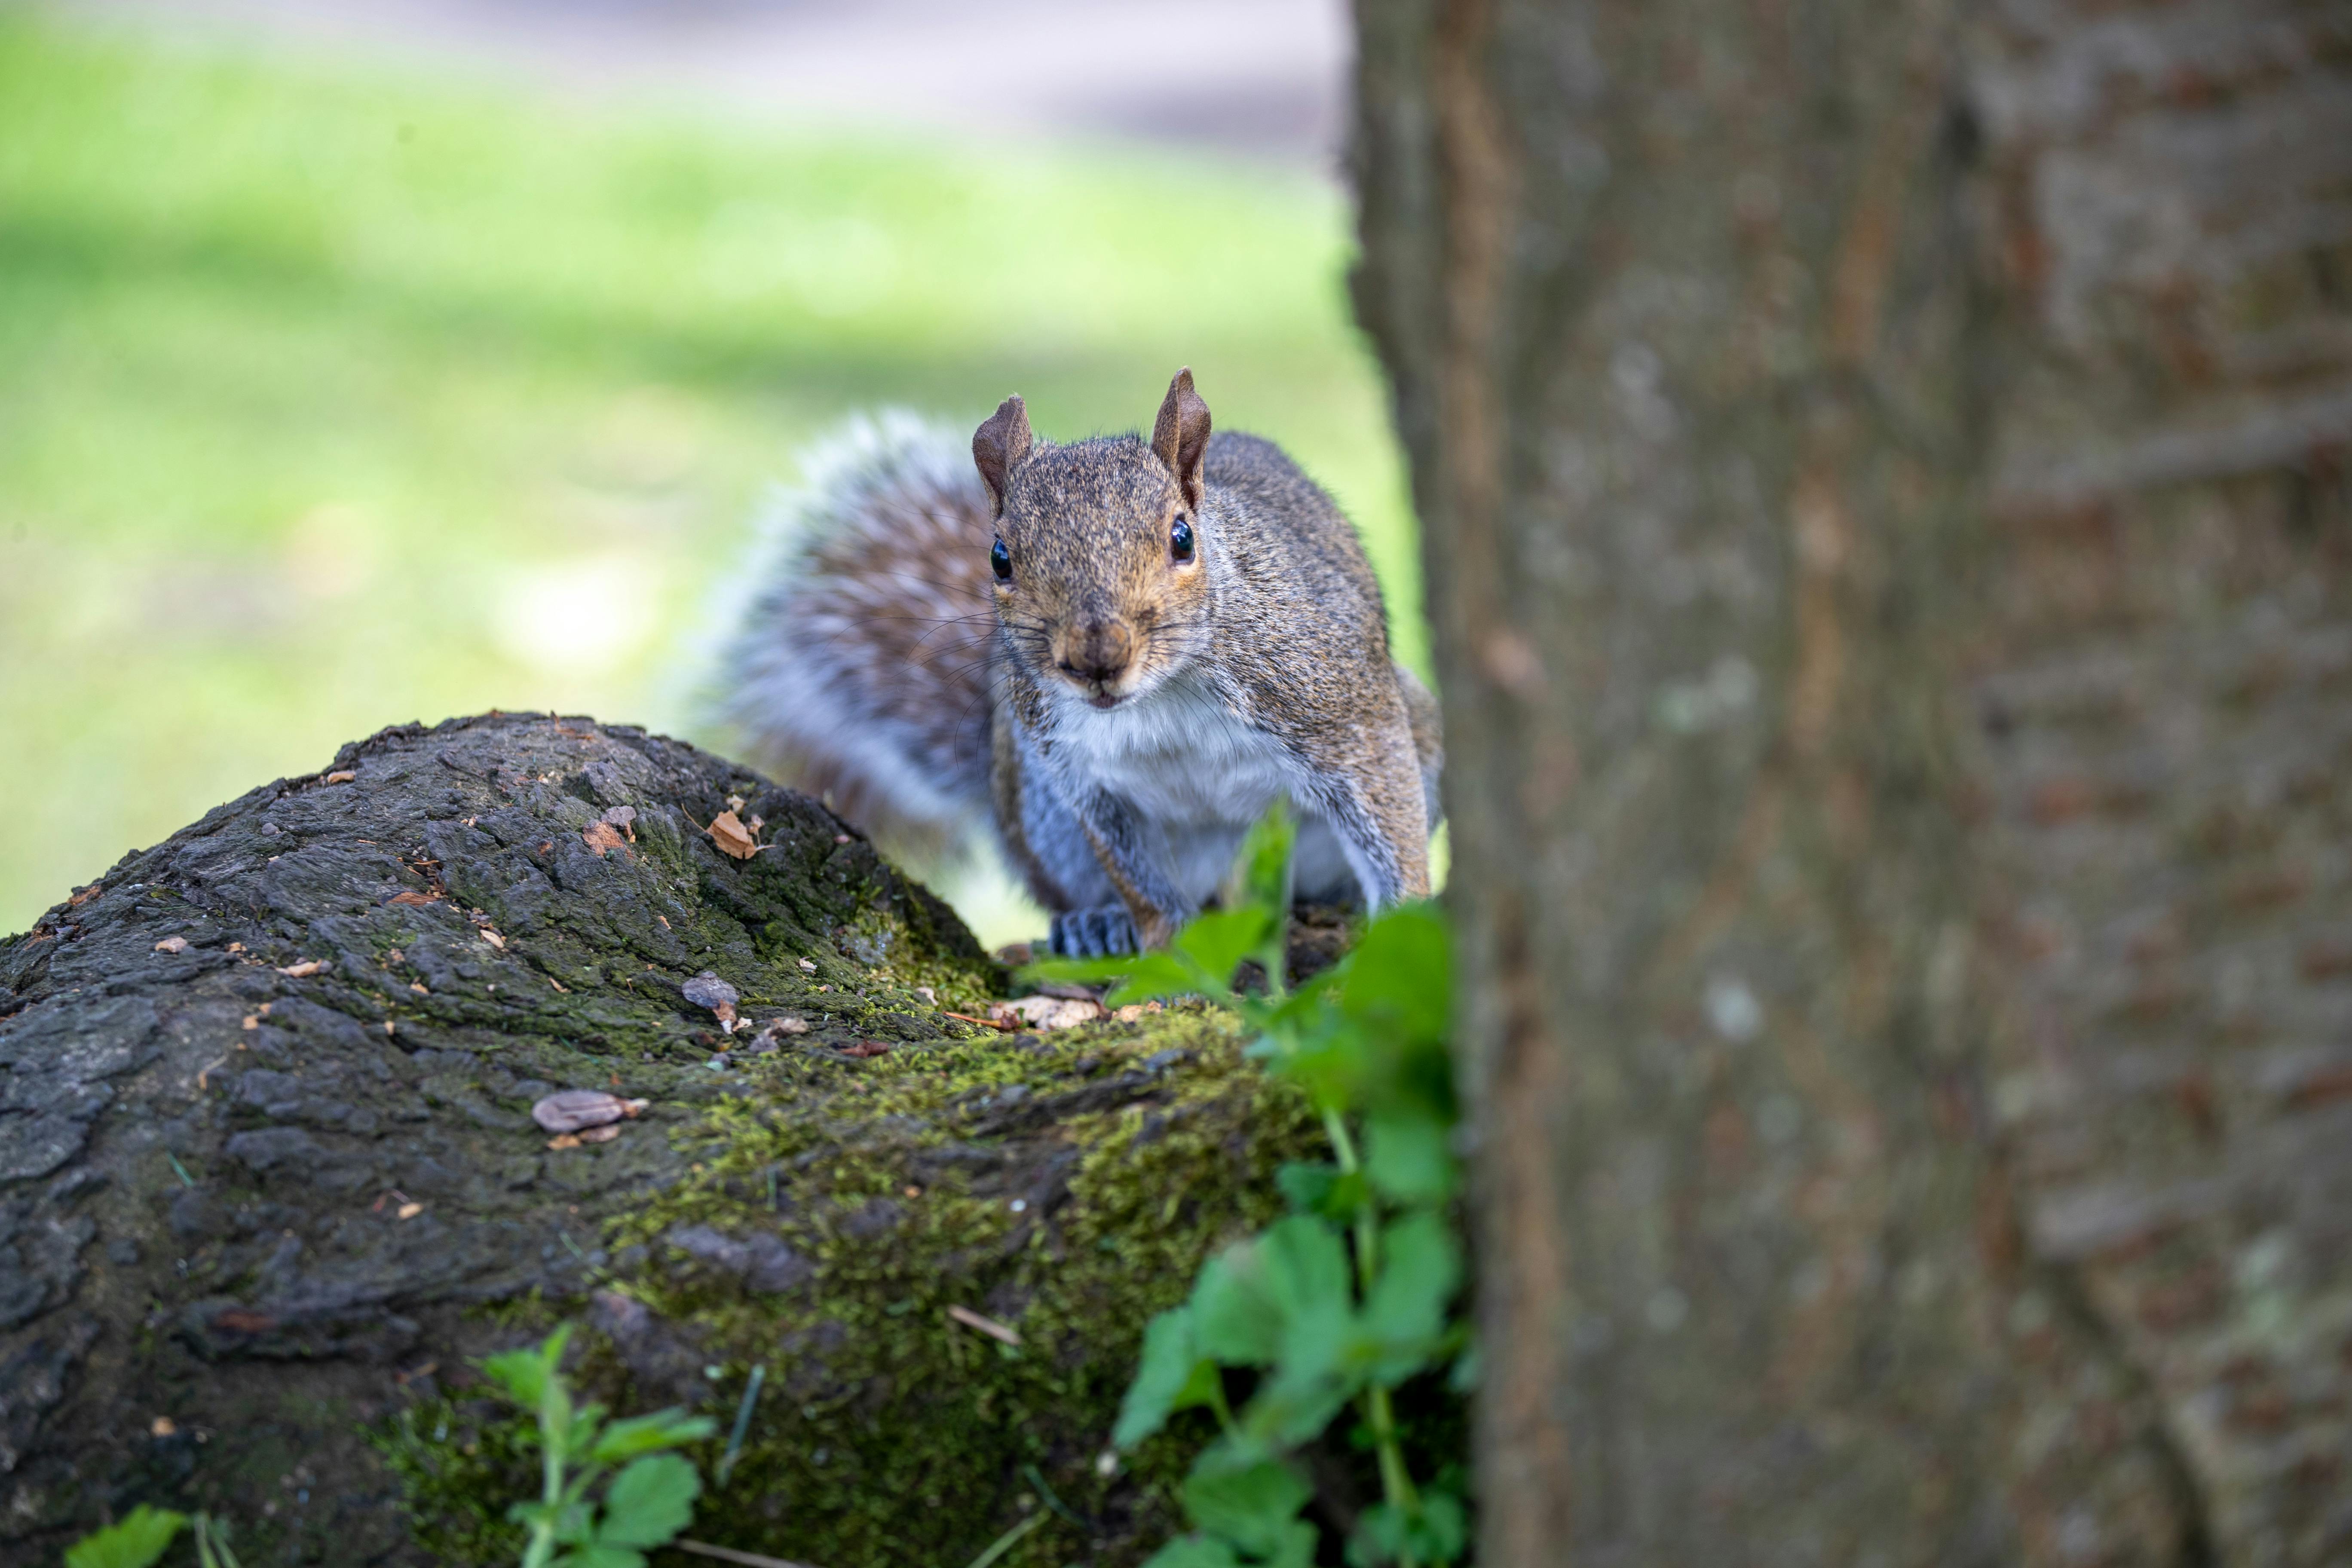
(1099, 547)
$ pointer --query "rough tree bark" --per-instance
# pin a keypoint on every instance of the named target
(268, 1175)
(1886, 536)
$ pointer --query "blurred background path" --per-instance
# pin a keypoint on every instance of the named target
(1262, 77)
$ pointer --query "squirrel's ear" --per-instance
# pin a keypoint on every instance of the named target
(1001, 446)
(1180, 435)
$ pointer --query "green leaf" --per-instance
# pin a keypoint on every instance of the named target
(135, 1540)
(624, 1441)
(523, 1373)
(650, 1503)
(1306, 1265)
(1195, 1551)
(1408, 1157)
(1421, 1267)
(1217, 942)
(1248, 1503)
(599, 1555)
(1322, 1189)
(1249, 1295)
(1234, 1321)
(1297, 1548)
(1401, 974)
(1173, 1375)
(1306, 1186)
(1435, 1533)
(1162, 976)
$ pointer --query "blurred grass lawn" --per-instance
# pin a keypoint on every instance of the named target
(331, 399)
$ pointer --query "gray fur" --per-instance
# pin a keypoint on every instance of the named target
(1135, 712)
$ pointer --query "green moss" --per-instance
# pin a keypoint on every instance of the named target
(461, 1464)
(1067, 1185)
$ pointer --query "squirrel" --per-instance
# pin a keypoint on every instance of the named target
(1111, 654)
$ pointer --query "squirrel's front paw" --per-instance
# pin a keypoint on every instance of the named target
(1094, 934)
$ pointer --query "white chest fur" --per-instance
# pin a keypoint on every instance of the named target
(1197, 776)
(1178, 754)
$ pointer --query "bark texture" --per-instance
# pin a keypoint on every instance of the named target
(1887, 538)
(269, 1176)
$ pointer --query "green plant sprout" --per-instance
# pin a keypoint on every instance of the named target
(1347, 1297)
(646, 1505)
(142, 1537)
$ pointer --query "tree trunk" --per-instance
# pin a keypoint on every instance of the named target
(1882, 469)
(269, 1177)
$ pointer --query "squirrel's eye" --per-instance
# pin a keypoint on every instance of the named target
(1180, 541)
(1000, 560)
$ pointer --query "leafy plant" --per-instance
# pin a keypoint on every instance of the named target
(646, 1505)
(144, 1534)
(1335, 1306)
(136, 1541)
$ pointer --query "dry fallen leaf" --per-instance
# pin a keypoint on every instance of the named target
(410, 1211)
(414, 900)
(342, 775)
(1133, 1011)
(162, 1427)
(866, 1048)
(252, 1021)
(564, 1141)
(732, 837)
(603, 837)
(307, 967)
(494, 939)
(603, 1134)
(772, 1032)
(418, 986)
(236, 947)
(570, 1109)
(173, 944)
(1041, 1012)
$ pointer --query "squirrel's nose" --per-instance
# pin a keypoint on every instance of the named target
(1099, 651)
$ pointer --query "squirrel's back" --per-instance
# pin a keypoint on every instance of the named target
(860, 672)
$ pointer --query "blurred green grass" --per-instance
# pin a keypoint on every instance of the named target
(331, 398)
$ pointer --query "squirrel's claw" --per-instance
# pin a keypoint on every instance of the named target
(1093, 933)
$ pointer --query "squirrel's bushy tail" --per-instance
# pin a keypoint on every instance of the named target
(859, 671)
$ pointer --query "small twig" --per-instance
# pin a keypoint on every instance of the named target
(729, 1554)
(1010, 1539)
(983, 1022)
(743, 1423)
(988, 1326)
